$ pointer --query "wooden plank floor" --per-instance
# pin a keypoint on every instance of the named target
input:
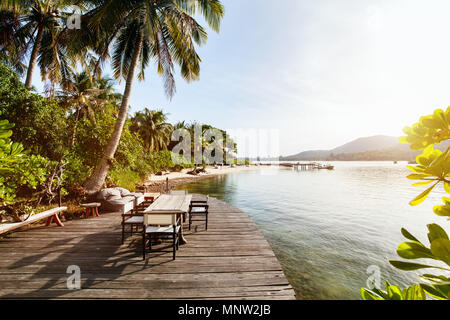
(231, 260)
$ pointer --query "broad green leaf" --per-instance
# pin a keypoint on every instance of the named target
(431, 123)
(394, 293)
(414, 292)
(441, 249)
(436, 232)
(442, 210)
(439, 115)
(413, 250)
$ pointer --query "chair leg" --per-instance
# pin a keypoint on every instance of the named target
(206, 221)
(174, 245)
(150, 239)
(143, 246)
(190, 221)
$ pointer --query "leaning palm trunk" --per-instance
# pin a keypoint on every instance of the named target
(75, 126)
(97, 179)
(33, 59)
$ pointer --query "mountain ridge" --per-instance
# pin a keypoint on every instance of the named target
(378, 147)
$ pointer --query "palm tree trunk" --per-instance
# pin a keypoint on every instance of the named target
(75, 125)
(33, 59)
(97, 179)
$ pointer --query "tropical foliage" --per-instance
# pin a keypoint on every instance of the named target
(48, 153)
(153, 128)
(142, 30)
(17, 168)
(131, 34)
(433, 169)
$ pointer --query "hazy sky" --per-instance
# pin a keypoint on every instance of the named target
(323, 72)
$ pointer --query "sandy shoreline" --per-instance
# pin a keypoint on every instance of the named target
(158, 183)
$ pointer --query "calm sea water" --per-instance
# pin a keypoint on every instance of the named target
(328, 227)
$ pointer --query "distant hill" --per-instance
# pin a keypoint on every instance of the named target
(368, 144)
(376, 148)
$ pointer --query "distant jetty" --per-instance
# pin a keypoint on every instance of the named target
(307, 166)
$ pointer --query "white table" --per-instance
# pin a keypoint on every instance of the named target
(171, 204)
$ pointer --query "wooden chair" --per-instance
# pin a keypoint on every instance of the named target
(198, 211)
(134, 219)
(161, 226)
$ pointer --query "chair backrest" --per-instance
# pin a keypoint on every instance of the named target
(178, 192)
(160, 219)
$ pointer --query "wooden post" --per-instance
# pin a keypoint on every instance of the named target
(167, 185)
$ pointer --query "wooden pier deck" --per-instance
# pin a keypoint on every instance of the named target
(231, 260)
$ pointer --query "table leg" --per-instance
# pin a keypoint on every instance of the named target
(182, 239)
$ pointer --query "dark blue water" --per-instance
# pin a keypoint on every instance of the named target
(328, 227)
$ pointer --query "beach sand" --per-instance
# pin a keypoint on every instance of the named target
(158, 183)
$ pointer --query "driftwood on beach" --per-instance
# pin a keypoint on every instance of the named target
(197, 171)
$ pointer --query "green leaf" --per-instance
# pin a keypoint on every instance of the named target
(368, 295)
(403, 140)
(394, 293)
(409, 236)
(408, 266)
(436, 232)
(442, 210)
(436, 280)
(421, 184)
(441, 249)
(413, 250)
(417, 176)
(434, 292)
(414, 292)
(431, 123)
(421, 197)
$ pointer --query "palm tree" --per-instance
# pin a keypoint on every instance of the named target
(84, 95)
(163, 30)
(41, 31)
(180, 125)
(12, 40)
(153, 129)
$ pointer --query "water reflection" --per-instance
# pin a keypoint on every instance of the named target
(327, 227)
